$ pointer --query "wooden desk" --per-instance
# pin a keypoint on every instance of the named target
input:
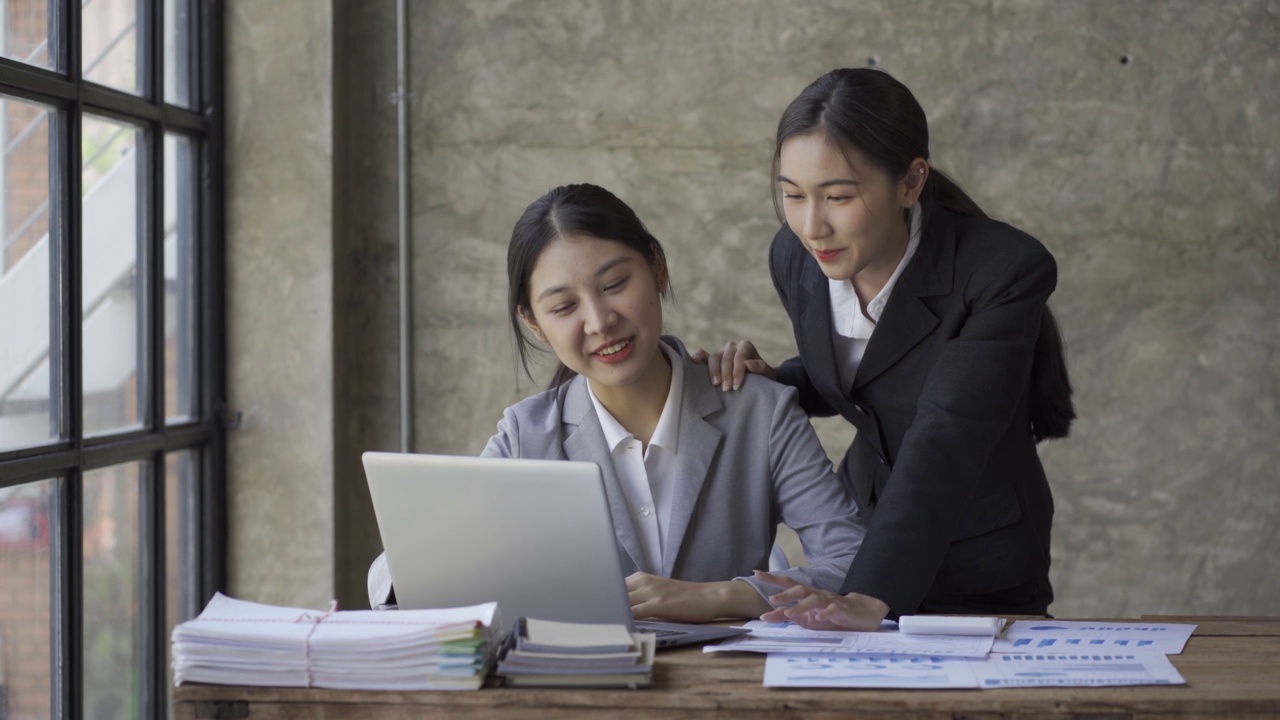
(1231, 665)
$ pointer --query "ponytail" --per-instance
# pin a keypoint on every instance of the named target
(1051, 407)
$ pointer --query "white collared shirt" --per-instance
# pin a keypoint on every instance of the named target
(648, 476)
(853, 328)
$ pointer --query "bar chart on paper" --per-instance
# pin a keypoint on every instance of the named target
(1092, 637)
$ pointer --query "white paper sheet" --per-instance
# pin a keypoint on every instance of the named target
(867, 671)
(1063, 669)
(791, 638)
(1072, 636)
(996, 671)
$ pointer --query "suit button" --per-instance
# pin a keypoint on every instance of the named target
(862, 409)
(884, 460)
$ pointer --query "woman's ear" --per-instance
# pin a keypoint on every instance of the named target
(660, 272)
(913, 182)
(526, 317)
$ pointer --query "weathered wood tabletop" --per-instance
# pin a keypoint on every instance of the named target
(1231, 665)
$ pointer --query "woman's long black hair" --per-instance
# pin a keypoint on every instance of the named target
(868, 109)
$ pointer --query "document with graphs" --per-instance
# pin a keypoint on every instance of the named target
(1074, 636)
(1007, 670)
(1029, 653)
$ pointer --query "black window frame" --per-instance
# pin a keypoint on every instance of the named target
(66, 460)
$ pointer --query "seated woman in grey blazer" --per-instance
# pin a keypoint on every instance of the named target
(697, 480)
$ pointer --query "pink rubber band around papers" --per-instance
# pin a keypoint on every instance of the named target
(315, 621)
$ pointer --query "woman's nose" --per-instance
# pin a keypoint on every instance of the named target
(599, 317)
(815, 222)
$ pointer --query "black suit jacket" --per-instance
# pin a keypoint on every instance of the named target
(944, 466)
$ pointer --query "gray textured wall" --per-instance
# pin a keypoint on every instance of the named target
(280, 310)
(1153, 180)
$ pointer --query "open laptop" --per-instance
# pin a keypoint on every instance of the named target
(534, 535)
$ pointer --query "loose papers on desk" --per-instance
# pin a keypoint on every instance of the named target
(844, 659)
(998, 670)
(1074, 636)
(235, 642)
(768, 637)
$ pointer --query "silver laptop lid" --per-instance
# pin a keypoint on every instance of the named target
(534, 535)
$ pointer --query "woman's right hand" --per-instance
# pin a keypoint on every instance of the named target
(729, 367)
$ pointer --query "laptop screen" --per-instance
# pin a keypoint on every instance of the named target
(534, 535)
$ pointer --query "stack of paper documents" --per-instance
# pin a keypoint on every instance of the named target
(1030, 653)
(543, 653)
(234, 642)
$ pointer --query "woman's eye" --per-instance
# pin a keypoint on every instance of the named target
(562, 309)
(616, 284)
(791, 196)
(837, 198)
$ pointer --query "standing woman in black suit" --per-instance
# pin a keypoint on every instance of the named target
(923, 323)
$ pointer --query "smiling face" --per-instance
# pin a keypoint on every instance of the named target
(598, 304)
(846, 211)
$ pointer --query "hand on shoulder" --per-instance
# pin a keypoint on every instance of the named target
(728, 367)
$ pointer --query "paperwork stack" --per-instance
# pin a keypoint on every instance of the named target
(234, 642)
(543, 653)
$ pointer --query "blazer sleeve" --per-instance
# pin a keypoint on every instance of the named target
(506, 442)
(810, 499)
(379, 582)
(784, 269)
(967, 401)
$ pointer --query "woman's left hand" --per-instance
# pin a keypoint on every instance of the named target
(653, 596)
(820, 609)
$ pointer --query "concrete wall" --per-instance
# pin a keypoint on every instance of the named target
(280, 309)
(1139, 141)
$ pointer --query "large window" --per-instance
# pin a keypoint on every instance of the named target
(111, 349)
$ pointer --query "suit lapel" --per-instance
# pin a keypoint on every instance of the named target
(699, 442)
(906, 319)
(585, 442)
(817, 346)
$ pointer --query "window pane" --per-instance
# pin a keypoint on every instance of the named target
(26, 32)
(111, 584)
(180, 551)
(179, 278)
(28, 305)
(109, 47)
(26, 641)
(111, 286)
(177, 52)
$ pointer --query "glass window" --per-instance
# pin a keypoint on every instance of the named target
(28, 303)
(25, 34)
(181, 601)
(26, 562)
(179, 278)
(110, 284)
(111, 588)
(105, 202)
(177, 52)
(109, 47)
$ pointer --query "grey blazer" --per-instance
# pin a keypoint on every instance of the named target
(747, 459)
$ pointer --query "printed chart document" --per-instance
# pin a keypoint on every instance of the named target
(996, 671)
(1002, 670)
(791, 638)
(798, 670)
(1074, 636)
